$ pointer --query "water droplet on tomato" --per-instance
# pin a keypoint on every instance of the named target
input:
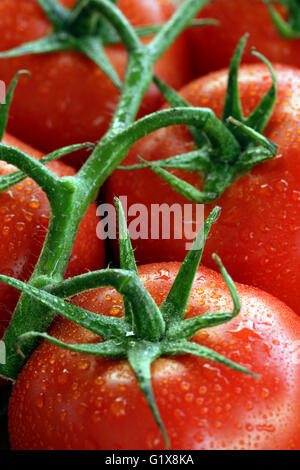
(265, 393)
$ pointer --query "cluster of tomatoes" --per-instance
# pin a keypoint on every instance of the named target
(65, 400)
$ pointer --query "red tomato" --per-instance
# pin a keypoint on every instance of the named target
(64, 400)
(68, 98)
(24, 216)
(257, 235)
(212, 47)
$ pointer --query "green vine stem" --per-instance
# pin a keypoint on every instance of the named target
(68, 210)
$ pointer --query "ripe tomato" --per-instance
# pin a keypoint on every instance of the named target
(212, 48)
(64, 400)
(68, 98)
(257, 235)
(24, 216)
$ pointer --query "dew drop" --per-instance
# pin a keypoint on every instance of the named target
(34, 204)
(114, 311)
(202, 390)
(40, 401)
(83, 365)
(265, 393)
(118, 407)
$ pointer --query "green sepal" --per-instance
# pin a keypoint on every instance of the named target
(174, 306)
(11, 179)
(287, 29)
(255, 136)
(4, 108)
(175, 100)
(56, 13)
(78, 11)
(55, 42)
(92, 47)
(63, 39)
(197, 160)
(147, 322)
(140, 357)
(252, 157)
(187, 328)
(259, 118)
(127, 260)
(187, 190)
(232, 104)
(188, 347)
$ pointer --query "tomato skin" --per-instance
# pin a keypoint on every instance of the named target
(257, 234)
(68, 99)
(64, 400)
(24, 215)
(213, 47)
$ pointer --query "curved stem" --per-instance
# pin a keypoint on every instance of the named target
(114, 149)
(48, 181)
(287, 30)
(187, 328)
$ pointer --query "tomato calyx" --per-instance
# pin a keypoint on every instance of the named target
(146, 331)
(287, 29)
(227, 148)
(87, 28)
(73, 30)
